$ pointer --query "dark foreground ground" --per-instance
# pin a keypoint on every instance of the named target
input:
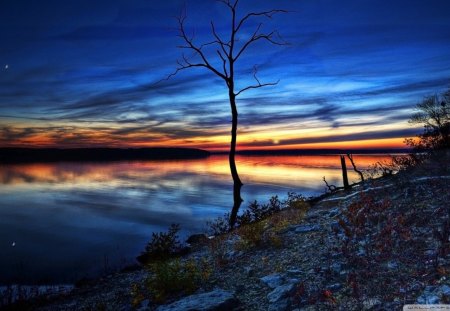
(378, 246)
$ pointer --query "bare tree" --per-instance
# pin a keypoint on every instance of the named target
(219, 56)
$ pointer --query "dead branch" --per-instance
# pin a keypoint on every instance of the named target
(350, 157)
(259, 85)
(331, 188)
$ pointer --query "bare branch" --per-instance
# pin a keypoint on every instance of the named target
(220, 41)
(259, 85)
(331, 188)
(256, 37)
(267, 14)
(228, 3)
(198, 51)
(224, 63)
(350, 157)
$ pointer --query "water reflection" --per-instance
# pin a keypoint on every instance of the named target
(68, 220)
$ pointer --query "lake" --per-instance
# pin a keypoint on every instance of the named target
(60, 222)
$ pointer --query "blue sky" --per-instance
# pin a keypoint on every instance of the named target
(84, 73)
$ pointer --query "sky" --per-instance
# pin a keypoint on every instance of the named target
(91, 73)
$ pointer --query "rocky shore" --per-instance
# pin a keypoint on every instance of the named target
(380, 245)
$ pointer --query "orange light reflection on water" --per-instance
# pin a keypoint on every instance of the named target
(282, 170)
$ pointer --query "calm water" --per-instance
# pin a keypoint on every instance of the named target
(64, 221)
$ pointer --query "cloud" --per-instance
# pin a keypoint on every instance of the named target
(339, 138)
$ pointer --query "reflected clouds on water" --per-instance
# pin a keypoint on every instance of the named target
(71, 220)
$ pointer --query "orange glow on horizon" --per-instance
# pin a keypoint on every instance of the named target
(85, 138)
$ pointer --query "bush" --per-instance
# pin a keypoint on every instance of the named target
(394, 165)
(252, 235)
(174, 277)
(256, 212)
(219, 226)
(162, 245)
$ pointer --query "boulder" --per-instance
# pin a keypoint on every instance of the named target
(272, 280)
(216, 300)
(307, 228)
(197, 239)
(281, 292)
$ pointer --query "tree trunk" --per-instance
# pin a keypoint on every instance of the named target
(344, 172)
(237, 184)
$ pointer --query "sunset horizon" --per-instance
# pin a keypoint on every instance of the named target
(344, 80)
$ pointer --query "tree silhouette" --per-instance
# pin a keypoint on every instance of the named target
(225, 53)
(434, 113)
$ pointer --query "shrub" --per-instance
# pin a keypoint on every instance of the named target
(218, 249)
(219, 226)
(173, 277)
(394, 165)
(295, 201)
(252, 235)
(256, 212)
(162, 245)
(259, 224)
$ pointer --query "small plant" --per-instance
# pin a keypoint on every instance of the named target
(173, 277)
(219, 226)
(252, 235)
(137, 295)
(218, 249)
(295, 201)
(162, 245)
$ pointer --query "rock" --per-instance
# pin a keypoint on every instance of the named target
(335, 287)
(197, 239)
(335, 226)
(144, 306)
(249, 271)
(281, 292)
(371, 303)
(216, 300)
(294, 272)
(293, 281)
(430, 253)
(307, 228)
(430, 295)
(428, 299)
(334, 212)
(392, 265)
(282, 305)
(336, 267)
(445, 290)
(272, 280)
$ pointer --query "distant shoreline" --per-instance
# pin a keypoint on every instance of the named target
(29, 155)
(320, 151)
